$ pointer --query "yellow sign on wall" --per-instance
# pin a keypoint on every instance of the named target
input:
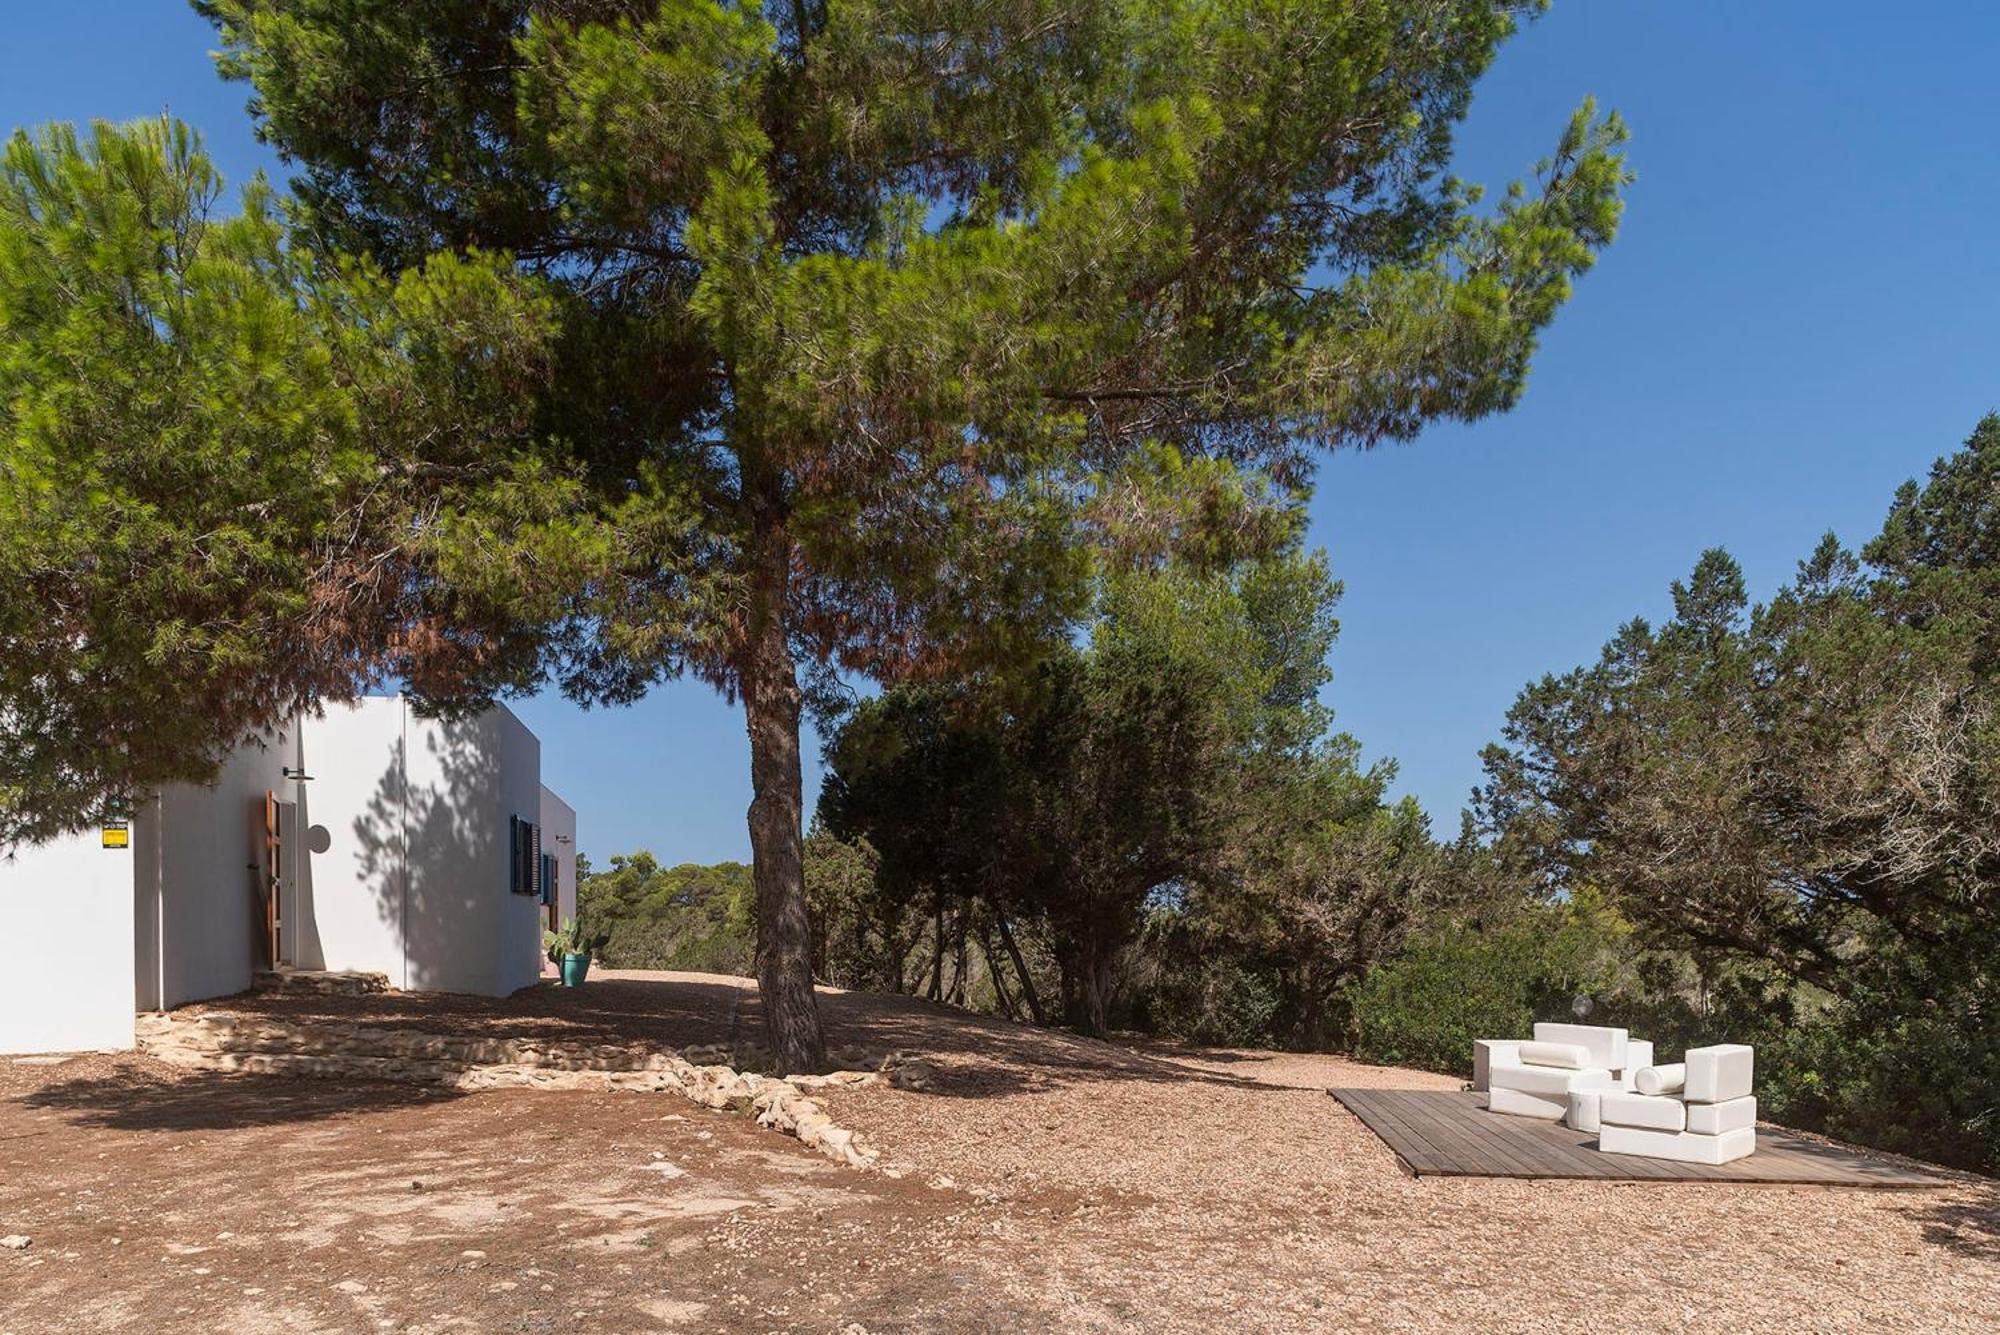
(117, 834)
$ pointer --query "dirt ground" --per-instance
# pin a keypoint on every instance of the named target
(1042, 1182)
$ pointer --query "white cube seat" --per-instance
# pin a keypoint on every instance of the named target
(1682, 1146)
(1718, 1074)
(1490, 1052)
(1645, 1110)
(1715, 1119)
(1585, 1110)
(1520, 1103)
(1604, 1043)
(1638, 1053)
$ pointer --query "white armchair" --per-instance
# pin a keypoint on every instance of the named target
(1699, 1110)
(1558, 1074)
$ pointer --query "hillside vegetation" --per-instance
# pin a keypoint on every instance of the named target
(685, 917)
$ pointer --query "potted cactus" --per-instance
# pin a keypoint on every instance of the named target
(570, 951)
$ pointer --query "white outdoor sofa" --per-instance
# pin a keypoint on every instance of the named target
(1561, 1074)
(1699, 1110)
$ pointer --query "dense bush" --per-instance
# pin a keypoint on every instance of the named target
(1915, 1069)
(1218, 1000)
(1458, 983)
(652, 917)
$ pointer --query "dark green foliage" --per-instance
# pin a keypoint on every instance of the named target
(1157, 774)
(651, 917)
(1457, 982)
(214, 451)
(1202, 997)
(863, 931)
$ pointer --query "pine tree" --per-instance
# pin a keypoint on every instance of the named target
(874, 319)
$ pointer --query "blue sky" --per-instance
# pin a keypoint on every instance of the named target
(1797, 316)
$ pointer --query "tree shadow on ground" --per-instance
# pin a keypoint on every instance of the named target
(221, 1101)
(1969, 1226)
(677, 1014)
(976, 1056)
(981, 1056)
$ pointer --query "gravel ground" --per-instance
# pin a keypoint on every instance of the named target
(1226, 1189)
(1042, 1182)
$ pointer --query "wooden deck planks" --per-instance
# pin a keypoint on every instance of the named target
(1439, 1133)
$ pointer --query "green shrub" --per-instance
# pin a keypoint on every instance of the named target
(1425, 1007)
(1913, 1068)
(1452, 985)
(1218, 1001)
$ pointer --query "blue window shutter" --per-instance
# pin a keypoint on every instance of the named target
(513, 853)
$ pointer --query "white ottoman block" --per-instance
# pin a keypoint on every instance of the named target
(1584, 1114)
(1638, 1054)
(1569, 1056)
(1684, 1146)
(1718, 1074)
(1519, 1103)
(1490, 1052)
(1549, 1082)
(1660, 1079)
(1713, 1119)
(1605, 1044)
(1655, 1114)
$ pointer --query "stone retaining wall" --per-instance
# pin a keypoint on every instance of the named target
(220, 1041)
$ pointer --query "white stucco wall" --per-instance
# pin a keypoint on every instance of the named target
(212, 838)
(67, 983)
(559, 838)
(467, 932)
(414, 882)
(351, 897)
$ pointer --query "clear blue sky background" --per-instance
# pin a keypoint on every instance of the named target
(1797, 316)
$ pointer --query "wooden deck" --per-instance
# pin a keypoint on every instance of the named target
(1450, 1134)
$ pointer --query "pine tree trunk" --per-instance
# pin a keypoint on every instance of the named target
(936, 992)
(770, 687)
(1028, 993)
(1097, 995)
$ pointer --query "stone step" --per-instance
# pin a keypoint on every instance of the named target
(320, 982)
(222, 1041)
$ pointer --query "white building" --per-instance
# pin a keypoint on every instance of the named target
(370, 839)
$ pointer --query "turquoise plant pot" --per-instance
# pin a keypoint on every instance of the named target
(575, 968)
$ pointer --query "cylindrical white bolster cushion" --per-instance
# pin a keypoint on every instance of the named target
(1661, 1079)
(1569, 1056)
(1645, 1110)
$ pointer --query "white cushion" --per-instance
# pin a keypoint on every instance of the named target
(1551, 1082)
(1605, 1044)
(1685, 1146)
(1712, 1119)
(1638, 1055)
(1569, 1056)
(1718, 1074)
(1660, 1079)
(1644, 1110)
(1584, 1115)
(1519, 1103)
(1490, 1052)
